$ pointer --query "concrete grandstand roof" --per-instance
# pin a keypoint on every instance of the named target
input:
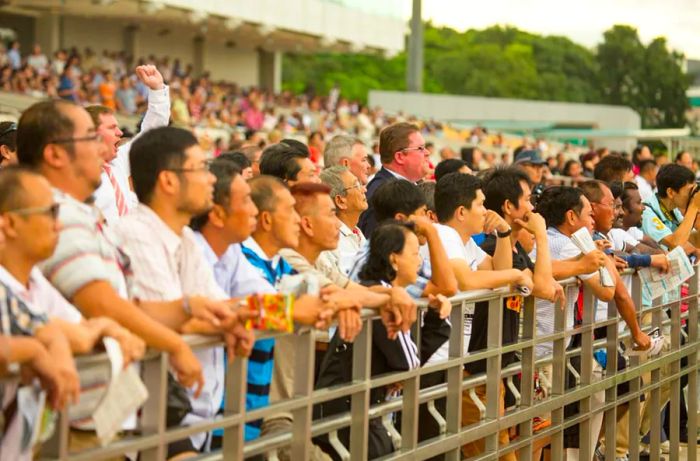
(289, 25)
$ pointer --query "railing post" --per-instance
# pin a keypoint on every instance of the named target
(674, 369)
(410, 392)
(610, 371)
(586, 404)
(234, 436)
(454, 377)
(692, 400)
(558, 373)
(359, 403)
(655, 394)
(528, 376)
(155, 378)
(635, 384)
(303, 387)
(493, 369)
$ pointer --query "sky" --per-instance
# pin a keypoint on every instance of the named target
(583, 21)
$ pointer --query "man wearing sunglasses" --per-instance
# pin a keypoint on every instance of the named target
(114, 197)
(404, 156)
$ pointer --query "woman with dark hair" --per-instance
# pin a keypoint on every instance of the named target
(393, 260)
(472, 157)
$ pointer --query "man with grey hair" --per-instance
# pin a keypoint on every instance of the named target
(348, 152)
(348, 194)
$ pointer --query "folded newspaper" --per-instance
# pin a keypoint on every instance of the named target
(655, 283)
(584, 242)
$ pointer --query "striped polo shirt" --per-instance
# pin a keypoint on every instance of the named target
(261, 363)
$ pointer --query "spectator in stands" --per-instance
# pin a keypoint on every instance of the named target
(428, 190)
(507, 192)
(393, 261)
(532, 163)
(38, 60)
(589, 161)
(663, 220)
(403, 156)
(107, 89)
(253, 153)
(450, 166)
(639, 154)
(66, 85)
(241, 161)
(613, 168)
(472, 156)
(646, 179)
(403, 201)
(14, 55)
(348, 152)
(172, 181)
(59, 139)
(114, 197)
(316, 146)
(8, 144)
(447, 153)
(348, 195)
(125, 96)
(684, 158)
(289, 163)
(572, 169)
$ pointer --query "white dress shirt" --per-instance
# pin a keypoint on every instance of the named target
(167, 267)
(157, 115)
(349, 245)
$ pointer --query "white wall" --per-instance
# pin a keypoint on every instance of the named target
(92, 32)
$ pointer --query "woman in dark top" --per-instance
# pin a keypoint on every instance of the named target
(393, 260)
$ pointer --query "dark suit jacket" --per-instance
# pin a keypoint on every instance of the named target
(368, 221)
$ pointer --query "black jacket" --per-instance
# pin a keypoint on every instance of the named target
(387, 356)
(368, 221)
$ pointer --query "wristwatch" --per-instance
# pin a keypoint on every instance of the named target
(502, 235)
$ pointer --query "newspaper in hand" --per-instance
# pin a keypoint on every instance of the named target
(656, 284)
(584, 242)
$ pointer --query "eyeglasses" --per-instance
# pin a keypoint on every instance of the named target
(92, 138)
(12, 127)
(50, 210)
(205, 168)
(357, 185)
(419, 148)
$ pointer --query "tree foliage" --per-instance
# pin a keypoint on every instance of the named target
(509, 63)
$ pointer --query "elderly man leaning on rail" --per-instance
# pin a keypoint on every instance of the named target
(31, 229)
(59, 139)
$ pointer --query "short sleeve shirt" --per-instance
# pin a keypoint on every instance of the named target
(87, 251)
(655, 223)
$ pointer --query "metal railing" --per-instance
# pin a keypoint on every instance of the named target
(665, 370)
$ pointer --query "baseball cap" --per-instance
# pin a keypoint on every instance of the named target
(529, 156)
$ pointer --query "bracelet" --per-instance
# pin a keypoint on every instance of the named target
(186, 305)
(502, 235)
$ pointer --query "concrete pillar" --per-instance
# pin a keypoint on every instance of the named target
(270, 70)
(414, 72)
(48, 32)
(131, 41)
(198, 55)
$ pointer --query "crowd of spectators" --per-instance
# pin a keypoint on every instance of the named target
(157, 240)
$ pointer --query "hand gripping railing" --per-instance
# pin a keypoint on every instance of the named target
(664, 372)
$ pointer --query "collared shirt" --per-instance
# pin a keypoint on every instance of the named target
(157, 115)
(560, 247)
(41, 296)
(327, 275)
(86, 252)
(167, 267)
(655, 223)
(398, 176)
(349, 244)
(237, 277)
(645, 189)
(261, 361)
